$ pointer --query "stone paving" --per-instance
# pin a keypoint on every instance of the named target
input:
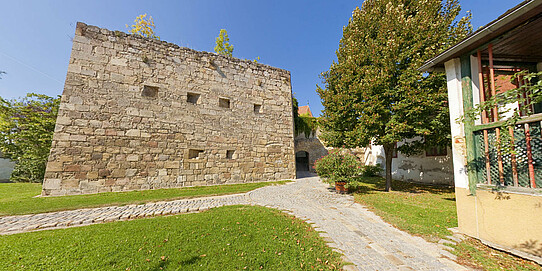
(363, 237)
(63, 219)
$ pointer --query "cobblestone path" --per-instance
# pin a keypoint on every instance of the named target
(365, 240)
(363, 237)
(63, 219)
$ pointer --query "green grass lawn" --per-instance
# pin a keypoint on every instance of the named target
(18, 198)
(428, 211)
(423, 210)
(474, 254)
(226, 238)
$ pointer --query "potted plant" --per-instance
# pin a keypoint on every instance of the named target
(338, 168)
(340, 186)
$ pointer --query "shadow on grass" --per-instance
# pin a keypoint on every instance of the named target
(190, 261)
(164, 264)
(370, 185)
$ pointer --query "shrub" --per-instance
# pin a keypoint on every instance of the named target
(337, 166)
(324, 165)
(371, 171)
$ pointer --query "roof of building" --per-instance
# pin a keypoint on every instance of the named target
(519, 16)
(304, 111)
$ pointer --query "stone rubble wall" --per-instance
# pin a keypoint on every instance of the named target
(313, 146)
(109, 136)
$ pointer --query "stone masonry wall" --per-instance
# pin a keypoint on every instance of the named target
(313, 146)
(131, 118)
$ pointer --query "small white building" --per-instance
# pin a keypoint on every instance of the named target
(433, 166)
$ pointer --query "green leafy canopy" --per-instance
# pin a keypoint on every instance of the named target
(26, 131)
(375, 92)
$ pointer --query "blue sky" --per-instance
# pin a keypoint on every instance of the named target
(297, 35)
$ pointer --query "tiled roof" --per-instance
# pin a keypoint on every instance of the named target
(304, 111)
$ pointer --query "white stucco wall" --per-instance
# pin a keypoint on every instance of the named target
(455, 102)
(416, 168)
(475, 83)
(6, 167)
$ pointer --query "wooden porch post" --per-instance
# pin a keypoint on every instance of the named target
(495, 113)
(530, 155)
(484, 116)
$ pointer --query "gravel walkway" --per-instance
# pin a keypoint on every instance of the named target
(365, 240)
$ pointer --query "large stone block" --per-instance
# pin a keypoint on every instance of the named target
(52, 184)
(54, 166)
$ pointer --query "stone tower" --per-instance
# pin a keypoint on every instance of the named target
(140, 113)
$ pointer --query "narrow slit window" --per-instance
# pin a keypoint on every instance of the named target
(229, 154)
(149, 91)
(192, 98)
(436, 151)
(224, 103)
(194, 154)
(257, 108)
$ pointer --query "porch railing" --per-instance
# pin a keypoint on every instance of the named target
(521, 167)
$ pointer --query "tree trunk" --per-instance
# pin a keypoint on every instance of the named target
(388, 152)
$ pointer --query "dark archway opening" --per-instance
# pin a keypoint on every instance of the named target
(302, 161)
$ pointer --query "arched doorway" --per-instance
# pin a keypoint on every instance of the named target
(302, 161)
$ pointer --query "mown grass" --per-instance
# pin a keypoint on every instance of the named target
(226, 238)
(19, 198)
(476, 255)
(419, 209)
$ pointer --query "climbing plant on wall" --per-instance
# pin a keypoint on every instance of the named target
(303, 124)
(527, 95)
(504, 141)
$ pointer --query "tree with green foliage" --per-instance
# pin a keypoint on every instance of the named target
(223, 46)
(375, 93)
(26, 132)
(143, 27)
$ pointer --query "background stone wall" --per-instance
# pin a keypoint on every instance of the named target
(312, 146)
(127, 121)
